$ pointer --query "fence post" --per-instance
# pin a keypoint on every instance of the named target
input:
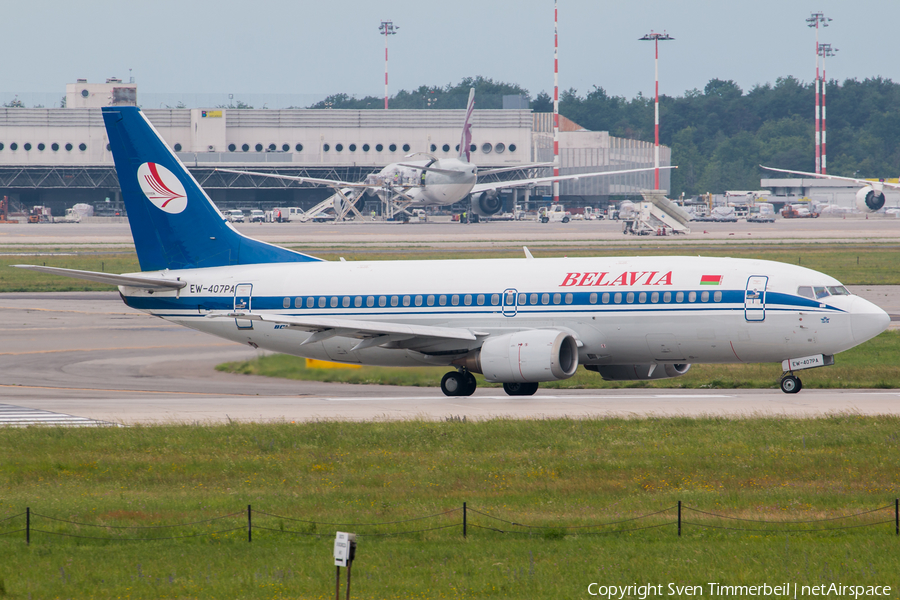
(897, 516)
(249, 525)
(679, 518)
(27, 526)
(464, 519)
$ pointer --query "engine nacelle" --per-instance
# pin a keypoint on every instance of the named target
(869, 199)
(525, 357)
(485, 204)
(639, 372)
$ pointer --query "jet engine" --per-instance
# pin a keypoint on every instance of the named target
(639, 372)
(869, 199)
(525, 357)
(485, 204)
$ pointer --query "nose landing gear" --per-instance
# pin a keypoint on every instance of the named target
(790, 383)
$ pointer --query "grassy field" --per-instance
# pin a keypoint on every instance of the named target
(869, 365)
(556, 474)
(851, 264)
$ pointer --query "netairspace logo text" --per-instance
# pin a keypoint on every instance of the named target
(716, 590)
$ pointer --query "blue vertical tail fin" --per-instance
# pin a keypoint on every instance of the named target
(174, 223)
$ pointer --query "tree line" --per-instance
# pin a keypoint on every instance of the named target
(719, 136)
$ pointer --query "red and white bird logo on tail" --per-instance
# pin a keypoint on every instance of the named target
(162, 188)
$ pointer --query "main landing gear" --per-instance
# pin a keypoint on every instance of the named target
(458, 383)
(520, 389)
(790, 383)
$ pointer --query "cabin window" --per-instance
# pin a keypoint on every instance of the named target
(557, 298)
(334, 302)
(454, 300)
(418, 300)
(654, 297)
(679, 297)
(618, 298)
(629, 298)
(310, 302)
(382, 301)
(704, 296)
(667, 296)
(395, 300)
(357, 302)
(545, 299)
(298, 302)
(467, 299)
(692, 297)
(534, 299)
(479, 299)
(345, 302)
(717, 297)
(322, 301)
(523, 299)
(569, 298)
(495, 299)
(442, 300)
(593, 298)
(286, 303)
(605, 298)
(430, 300)
(405, 300)
(370, 301)
(642, 297)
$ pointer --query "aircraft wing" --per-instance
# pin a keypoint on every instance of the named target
(515, 168)
(137, 281)
(895, 186)
(335, 183)
(371, 333)
(485, 187)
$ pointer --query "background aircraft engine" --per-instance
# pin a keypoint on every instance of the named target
(486, 204)
(869, 199)
(639, 372)
(526, 357)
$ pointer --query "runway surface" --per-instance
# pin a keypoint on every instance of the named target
(81, 358)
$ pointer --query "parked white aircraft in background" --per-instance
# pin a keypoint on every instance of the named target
(517, 321)
(869, 199)
(432, 181)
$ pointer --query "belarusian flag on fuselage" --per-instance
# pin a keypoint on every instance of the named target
(711, 280)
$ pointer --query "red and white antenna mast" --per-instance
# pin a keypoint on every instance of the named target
(813, 21)
(656, 37)
(387, 28)
(555, 101)
(824, 51)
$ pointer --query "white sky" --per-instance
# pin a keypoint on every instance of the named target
(301, 47)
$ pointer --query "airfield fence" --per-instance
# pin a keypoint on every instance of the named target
(465, 518)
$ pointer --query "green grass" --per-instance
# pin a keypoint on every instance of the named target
(851, 264)
(869, 365)
(551, 473)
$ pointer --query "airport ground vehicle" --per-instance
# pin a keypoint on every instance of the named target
(793, 211)
(554, 214)
(234, 216)
(257, 216)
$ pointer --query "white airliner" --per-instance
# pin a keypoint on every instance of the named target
(517, 321)
(868, 199)
(437, 181)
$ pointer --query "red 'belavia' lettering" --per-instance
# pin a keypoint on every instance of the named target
(628, 278)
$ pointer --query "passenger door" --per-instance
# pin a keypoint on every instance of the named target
(755, 298)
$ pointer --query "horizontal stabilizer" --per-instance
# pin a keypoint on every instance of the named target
(147, 283)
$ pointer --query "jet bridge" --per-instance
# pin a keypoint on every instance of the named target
(657, 215)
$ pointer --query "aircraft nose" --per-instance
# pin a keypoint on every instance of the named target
(867, 320)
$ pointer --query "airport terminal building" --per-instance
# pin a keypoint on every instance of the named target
(58, 157)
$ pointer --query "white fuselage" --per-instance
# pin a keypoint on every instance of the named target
(620, 310)
(451, 184)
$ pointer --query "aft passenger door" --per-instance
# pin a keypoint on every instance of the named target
(243, 296)
(755, 298)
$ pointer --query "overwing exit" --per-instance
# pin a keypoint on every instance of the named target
(518, 322)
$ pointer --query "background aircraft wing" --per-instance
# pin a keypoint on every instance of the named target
(484, 187)
(835, 177)
(515, 168)
(335, 183)
(371, 333)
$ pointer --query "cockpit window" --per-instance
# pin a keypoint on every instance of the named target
(819, 292)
